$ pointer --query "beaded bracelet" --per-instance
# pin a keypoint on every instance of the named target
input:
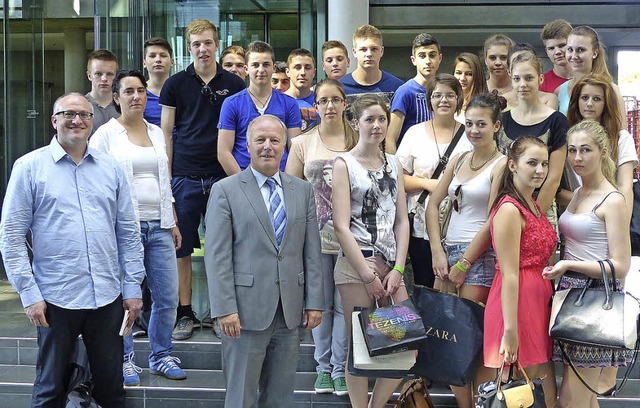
(399, 269)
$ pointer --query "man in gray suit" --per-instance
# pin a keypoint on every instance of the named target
(263, 262)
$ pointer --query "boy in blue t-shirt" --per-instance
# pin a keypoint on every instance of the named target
(301, 69)
(409, 104)
(257, 99)
(368, 77)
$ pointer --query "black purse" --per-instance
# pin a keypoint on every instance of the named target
(511, 393)
(595, 317)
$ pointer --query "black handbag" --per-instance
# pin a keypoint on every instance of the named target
(454, 327)
(595, 317)
(393, 328)
(511, 393)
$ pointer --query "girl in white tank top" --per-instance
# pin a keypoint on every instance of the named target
(471, 182)
(596, 225)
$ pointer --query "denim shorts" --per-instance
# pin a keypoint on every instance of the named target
(483, 269)
(191, 195)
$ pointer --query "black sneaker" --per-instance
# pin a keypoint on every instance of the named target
(207, 320)
(138, 331)
(196, 323)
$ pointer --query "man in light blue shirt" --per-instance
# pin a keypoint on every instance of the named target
(87, 254)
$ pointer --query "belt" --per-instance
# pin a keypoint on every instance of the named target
(367, 253)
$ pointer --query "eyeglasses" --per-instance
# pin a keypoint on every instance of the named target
(213, 97)
(456, 203)
(441, 95)
(69, 114)
(324, 101)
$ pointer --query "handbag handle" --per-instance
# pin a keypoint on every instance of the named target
(613, 275)
(520, 369)
(608, 299)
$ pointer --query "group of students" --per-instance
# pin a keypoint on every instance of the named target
(370, 147)
(522, 175)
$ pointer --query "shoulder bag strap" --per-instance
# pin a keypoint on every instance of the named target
(613, 390)
(443, 162)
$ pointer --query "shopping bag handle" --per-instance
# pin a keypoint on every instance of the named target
(392, 302)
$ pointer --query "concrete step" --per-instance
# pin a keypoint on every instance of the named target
(205, 388)
(201, 388)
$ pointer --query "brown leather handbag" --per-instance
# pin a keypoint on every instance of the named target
(414, 394)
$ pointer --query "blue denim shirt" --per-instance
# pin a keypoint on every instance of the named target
(84, 234)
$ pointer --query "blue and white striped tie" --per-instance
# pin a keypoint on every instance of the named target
(276, 210)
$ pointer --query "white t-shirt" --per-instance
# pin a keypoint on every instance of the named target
(419, 156)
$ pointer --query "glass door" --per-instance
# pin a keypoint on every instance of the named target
(27, 97)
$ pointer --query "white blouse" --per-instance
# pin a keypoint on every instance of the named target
(112, 139)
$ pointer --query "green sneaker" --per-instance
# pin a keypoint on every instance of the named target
(340, 386)
(323, 384)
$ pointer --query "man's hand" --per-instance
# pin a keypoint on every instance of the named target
(311, 319)
(230, 325)
(133, 306)
(36, 313)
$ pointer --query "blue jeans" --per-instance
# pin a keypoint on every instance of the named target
(162, 278)
(330, 337)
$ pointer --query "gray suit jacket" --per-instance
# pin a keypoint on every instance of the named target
(247, 272)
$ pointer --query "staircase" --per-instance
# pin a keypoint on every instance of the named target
(200, 356)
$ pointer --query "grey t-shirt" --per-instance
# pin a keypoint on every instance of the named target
(102, 115)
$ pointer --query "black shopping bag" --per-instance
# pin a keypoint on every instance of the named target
(393, 328)
(454, 327)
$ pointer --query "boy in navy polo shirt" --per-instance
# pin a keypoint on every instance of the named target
(368, 77)
(301, 69)
(191, 101)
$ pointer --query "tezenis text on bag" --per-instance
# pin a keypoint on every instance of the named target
(379, 324)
